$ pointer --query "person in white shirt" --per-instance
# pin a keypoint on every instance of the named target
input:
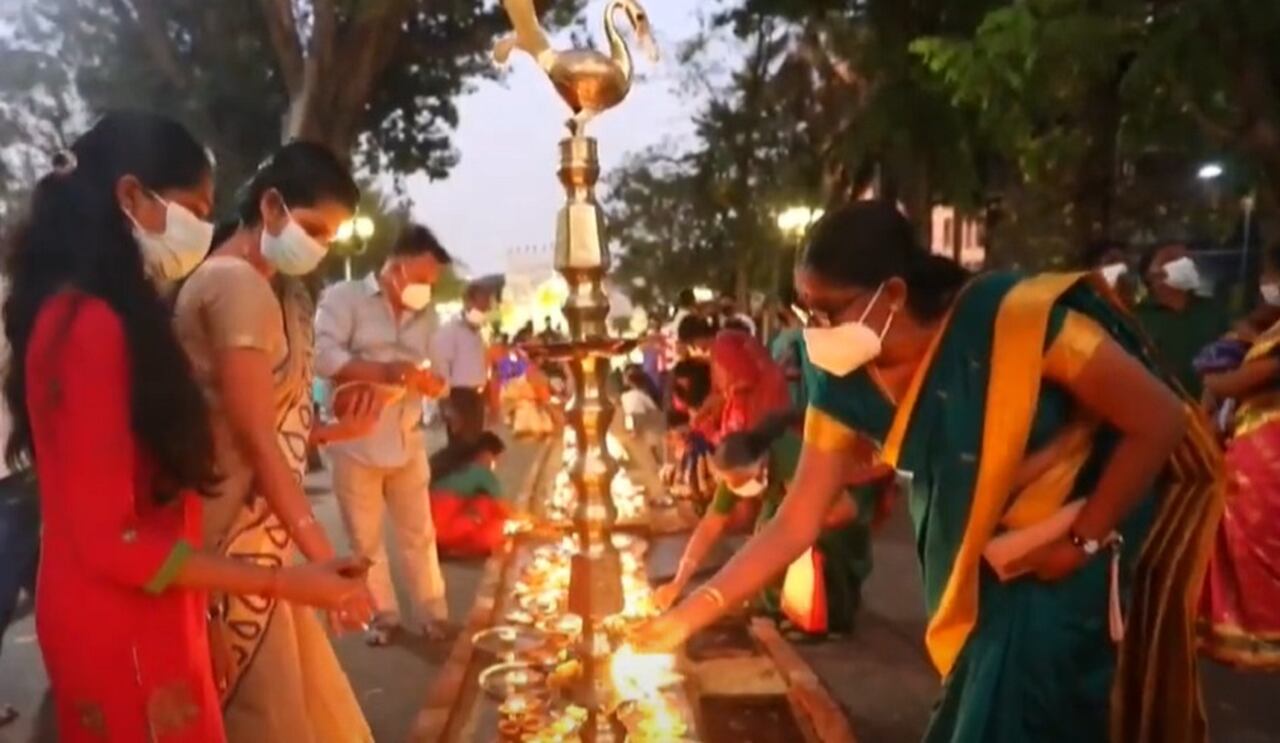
(377, 332)
(686, 304)
(460, 356)
(641, 412)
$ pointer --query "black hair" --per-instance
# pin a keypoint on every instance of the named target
(743, 448)
(691, 381)
(866, 243)
(636, 378)
(686, 299)
(417, 239)
(475, 290)
(736, 324)
(76, 237)
(1096, 251)
(694, 328)
(489, 442)
(1148, 257)
(304, 174)
(1273, 255)
(677, 418)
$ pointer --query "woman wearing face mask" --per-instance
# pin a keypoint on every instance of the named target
(956, 378)
(105, 405)
(692, 440)
(1178, 321)
(756, 466)
(245, 321)
(1109, 260)
(1241, 600)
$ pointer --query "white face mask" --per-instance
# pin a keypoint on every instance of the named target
(1111, 273)
(476, 316)
(1182, 274)
(293, 252)
(1270, 294)
(842, 349)
(751, 488)
(176, 252)
(414, 295)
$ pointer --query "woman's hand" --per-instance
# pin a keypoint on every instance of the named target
(335, 585)
(661, 634)
(1056, 560)
(665, 596)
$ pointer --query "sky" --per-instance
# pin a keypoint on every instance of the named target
(503, 193)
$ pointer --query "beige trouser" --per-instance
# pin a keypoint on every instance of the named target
(366, 496)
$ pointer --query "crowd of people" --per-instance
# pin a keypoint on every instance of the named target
(1057, 440)
(160, 392)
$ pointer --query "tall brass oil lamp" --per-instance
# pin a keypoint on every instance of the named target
(590, 82)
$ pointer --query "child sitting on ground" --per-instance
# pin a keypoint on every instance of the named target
(466, 503)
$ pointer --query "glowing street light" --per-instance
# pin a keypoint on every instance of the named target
(356, 233)
(796, 220)
(1210, 171)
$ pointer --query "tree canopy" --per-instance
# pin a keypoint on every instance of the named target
(373, 79)
(1054, 122)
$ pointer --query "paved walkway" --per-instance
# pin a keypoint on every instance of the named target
(391, 682)
(883, 678)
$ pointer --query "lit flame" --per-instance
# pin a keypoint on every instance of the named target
(640, 675)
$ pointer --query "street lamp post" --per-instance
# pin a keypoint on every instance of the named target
(355, 234)
(1210, 171)
(794, 222)
(1247, 204)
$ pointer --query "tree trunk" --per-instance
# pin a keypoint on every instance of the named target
(906, 182)
(1095, 185)
(345, 61)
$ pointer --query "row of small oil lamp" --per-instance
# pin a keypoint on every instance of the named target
(628, 497)
(537, 663)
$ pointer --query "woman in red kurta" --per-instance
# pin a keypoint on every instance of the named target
(104, 403)
(127, 657)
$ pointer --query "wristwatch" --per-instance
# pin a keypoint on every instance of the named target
(1089, 547)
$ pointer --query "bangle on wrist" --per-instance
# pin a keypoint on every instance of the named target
(714, 595)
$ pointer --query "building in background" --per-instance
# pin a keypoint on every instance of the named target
(959, 236)
(533, 292)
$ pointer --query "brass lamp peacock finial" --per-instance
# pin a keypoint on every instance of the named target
(589, 81)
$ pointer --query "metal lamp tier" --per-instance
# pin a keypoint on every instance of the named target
(590, 82)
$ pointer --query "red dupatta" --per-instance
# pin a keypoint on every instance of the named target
(751, 384)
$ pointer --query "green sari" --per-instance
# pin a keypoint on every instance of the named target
(846, 549)
(1026, 660)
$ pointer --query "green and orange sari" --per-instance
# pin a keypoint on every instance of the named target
(1027, 660)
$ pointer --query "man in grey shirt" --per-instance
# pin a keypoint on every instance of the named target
(376, 333)
(459, 354)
